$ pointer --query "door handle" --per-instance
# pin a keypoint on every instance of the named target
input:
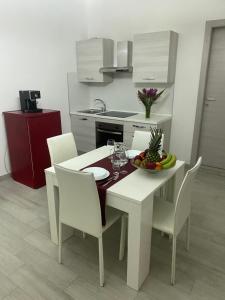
(210, 99)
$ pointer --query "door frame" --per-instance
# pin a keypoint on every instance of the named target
(210, 25)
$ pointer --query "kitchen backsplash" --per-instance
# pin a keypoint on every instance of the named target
(121, 94)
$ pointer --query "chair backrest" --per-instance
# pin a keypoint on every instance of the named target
(79, 205)
(141, 140)
(61, 147)
(183, 202)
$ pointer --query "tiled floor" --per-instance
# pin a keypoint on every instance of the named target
(28, 259)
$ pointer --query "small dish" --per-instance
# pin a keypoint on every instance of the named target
(132, 153)
(99, 173)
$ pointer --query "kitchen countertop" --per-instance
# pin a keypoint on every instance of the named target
(139, 117)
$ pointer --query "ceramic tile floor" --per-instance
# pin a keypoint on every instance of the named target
(28, 260)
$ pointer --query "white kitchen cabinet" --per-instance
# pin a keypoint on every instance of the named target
(131, 127)
(83, 128)
(154, 57)
(93, 54)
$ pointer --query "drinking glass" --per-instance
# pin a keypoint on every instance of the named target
(116, 163)
(120, 151)
(123, 161)
(111, 143)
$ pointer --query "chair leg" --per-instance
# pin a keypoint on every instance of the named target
(173, 267)
(101, 261)
(122, 236)
(188, 233)
(60, 243)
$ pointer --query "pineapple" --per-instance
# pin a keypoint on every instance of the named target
(154, 145)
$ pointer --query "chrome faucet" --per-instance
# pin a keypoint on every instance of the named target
(103, 104)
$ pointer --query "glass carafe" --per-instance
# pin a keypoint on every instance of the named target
(120, 152)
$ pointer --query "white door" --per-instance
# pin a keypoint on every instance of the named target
(212, 138)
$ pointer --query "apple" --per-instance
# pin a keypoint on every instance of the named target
(142, 154)
(151, 165)
(138, 157)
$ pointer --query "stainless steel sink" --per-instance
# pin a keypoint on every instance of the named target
(90, 111)
(110, 113)
(117, 114)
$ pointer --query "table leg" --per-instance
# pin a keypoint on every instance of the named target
(173, 185)
(139, 242)
(178, 179)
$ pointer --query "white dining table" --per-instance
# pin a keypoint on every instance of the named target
(134, 195)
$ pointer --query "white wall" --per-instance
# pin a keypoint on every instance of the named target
(121, 94)
(78, 93)
(119, 20)
(37, 49)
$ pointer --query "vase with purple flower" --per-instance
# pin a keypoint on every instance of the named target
(148, 98)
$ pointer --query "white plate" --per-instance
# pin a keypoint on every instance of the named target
(132, 153)
(99, 173)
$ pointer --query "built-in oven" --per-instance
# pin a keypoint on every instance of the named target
(106, 131)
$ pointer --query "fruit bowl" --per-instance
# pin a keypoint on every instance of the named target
(165, 162)
(145, 169)
(154, 159)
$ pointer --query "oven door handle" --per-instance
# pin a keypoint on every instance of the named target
(108, 131)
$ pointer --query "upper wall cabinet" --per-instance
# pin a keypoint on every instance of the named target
(93, 54)
(154, 57)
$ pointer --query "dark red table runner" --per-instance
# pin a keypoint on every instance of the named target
(106, 164)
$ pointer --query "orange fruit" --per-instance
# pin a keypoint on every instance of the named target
(158, 166)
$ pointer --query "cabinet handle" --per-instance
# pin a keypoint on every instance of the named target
(89, 78)
(137, 126)
(110, 132)
(83, 119)
(148, 78)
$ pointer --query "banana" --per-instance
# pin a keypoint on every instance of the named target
(166, 160)
(171, 163)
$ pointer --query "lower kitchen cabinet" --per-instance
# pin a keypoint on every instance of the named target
(131, 127)
(83, 129)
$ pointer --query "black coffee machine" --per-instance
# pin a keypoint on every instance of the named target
(28, 101)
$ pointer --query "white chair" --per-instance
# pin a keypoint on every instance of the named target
(170, 217)
(79, 207)
(61, 147)
(141, 140)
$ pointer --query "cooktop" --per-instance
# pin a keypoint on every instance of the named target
(117, 114)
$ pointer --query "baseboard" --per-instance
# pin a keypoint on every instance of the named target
(220, 172)
(6, 176)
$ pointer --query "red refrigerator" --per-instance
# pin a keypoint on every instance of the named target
(28, 151)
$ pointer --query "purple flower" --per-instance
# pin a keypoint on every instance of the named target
(144, 91)
(149, 96)
(151, 92)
